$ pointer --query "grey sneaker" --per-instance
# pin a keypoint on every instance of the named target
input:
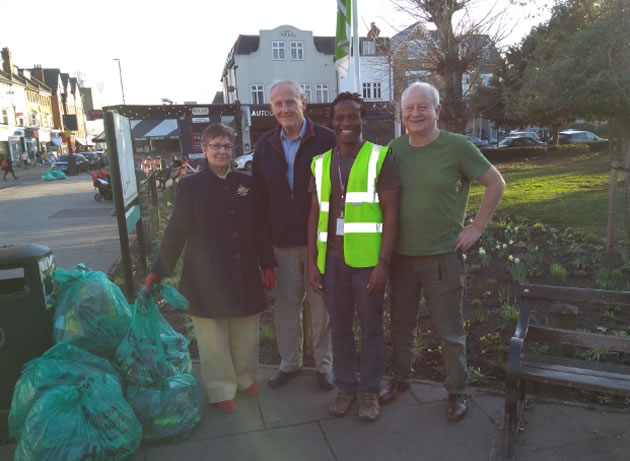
(340, 405)
(369, 409)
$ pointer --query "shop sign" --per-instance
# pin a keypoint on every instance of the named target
(200, 111)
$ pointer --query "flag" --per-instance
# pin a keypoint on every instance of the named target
(344, 29)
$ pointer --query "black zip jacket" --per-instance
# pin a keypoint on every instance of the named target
(288, 211)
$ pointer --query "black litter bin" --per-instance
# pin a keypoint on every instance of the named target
(26, 297)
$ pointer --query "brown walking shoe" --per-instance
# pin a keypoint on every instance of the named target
(369, 409)
(340, 404)
(456, 407)
(391, 390)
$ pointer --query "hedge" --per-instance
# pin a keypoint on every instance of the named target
(511, 154)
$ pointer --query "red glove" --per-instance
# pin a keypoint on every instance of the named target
(269, 276)
(150, 280)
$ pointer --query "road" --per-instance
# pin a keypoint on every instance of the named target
(62, 215)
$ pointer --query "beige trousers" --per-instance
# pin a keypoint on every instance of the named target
(292, 287)
(228, 352)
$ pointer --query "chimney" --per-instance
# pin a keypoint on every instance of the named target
(38, 73)
(7, 64)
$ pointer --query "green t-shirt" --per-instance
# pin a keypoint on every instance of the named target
(435, 185)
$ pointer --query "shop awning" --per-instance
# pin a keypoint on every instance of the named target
(99, 138)
(145, 130)
(83, 141)
(56, 141)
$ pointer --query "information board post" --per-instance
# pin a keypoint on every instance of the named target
(125, 190)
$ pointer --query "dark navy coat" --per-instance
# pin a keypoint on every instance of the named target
(288, 211)
(226, 243)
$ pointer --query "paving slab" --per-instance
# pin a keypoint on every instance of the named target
(427, 392)
(304, 442)
(215, 423)
(551, 425)
(419, 432)
(298, 401)
(616, 448)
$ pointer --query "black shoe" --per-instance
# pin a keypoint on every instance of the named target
(326, 380)
(391, 390)
(280, 378)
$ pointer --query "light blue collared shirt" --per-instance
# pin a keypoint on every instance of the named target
(290, 148)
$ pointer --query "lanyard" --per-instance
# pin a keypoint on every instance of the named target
(341, 184)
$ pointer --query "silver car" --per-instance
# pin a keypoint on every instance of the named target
(244, 162)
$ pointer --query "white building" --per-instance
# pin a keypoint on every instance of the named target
(255, 62)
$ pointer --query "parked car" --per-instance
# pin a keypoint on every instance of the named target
(477, 142)
(515, 141)
(62, 163)
(244, 162)
(94, 160)
(574, 136)
(525, 134)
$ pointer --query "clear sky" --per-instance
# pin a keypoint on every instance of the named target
(175, 49)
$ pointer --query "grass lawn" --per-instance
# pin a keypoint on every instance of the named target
(567, 191)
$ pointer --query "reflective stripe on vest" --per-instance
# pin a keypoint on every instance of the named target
(363, 217)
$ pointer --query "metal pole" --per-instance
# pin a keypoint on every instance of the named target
(355, 46)
(122, 88)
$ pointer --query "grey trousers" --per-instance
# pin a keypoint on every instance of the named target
(292, 287)
(441, 280)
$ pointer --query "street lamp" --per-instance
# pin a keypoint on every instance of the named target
(122, 88)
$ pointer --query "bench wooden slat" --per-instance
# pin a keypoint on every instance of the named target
(548, 374)
(578, 295)
(579, 338)
(592, 365)
(578, 370)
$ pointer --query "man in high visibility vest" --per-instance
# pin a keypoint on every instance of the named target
(352, 227)
(436, 169)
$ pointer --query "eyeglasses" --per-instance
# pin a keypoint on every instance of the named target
(216, 146)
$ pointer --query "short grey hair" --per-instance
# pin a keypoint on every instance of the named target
(426, 88)
(293, 84)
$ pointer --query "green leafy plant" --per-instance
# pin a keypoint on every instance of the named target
(535, 260)
(480, 315)
(508, 316)
(484, 258)
(595, 354)
(558, 272)
(467, 324)
(476, 376)
(266, 334)
(419, 343)
(610, 315)
(517, 269)
(492, 343)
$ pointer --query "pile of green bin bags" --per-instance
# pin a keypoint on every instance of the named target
(117, 374)
(164, 395)
(53, 175)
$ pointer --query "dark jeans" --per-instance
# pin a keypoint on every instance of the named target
(7, 171)
(345, 288)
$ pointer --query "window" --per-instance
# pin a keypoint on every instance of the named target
(4, 117)
(416, 49)
(377, 91)
(307, 91)
(321, 93)
(367, 91)
(369, 48)
(277, 51)
(34, 119)
(258, 94)
(297, 51)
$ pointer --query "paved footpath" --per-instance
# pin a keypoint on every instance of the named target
(291, 424)
(62, 215)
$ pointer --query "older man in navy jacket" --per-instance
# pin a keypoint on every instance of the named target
(281, 171)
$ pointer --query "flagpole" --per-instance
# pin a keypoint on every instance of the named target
(355, 46)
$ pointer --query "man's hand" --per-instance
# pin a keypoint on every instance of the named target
(269, 278)
(467, 238)
(150, 280)
(315, 279)
(378, 277)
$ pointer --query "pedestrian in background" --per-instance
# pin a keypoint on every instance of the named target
(7, 166)
(281, 169)
(218, 223)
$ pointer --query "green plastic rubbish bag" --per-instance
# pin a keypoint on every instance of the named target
(168, 413)
(48, 176)
(58, 174)
(141, 356)
(169, 403)
(91, 311)
(89, 421)
(62, 365)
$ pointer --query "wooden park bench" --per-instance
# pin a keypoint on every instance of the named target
(560, 367)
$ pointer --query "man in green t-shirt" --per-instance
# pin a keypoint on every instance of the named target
(435, 168)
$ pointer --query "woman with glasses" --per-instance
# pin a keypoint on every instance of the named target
(228, 263)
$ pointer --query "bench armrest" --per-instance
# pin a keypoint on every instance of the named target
(523, 319)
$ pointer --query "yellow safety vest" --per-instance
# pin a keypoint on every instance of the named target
(363, 217)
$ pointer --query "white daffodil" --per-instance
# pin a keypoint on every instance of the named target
(511, 242)
(517, 260)
(510, 258)
(504, 245)
(482, 251)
